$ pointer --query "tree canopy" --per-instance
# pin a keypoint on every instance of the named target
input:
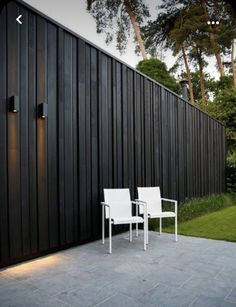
(158, 71)
(184, 29)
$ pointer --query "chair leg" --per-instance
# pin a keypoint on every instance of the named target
(160, 225)
(176, 238)
(130, 232)
(136, 223)
(145, 235)
(147, 231)
(103, 225)
(110, 234)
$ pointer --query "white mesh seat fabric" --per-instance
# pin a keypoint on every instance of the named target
(152, 197)
(124, 220)
(163, 214)
(117, 207)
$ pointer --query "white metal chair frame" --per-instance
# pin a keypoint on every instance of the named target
(160, 217)
(144, 222)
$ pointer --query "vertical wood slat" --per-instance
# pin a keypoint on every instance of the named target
(82, 139)
(110, 121)
(42, 167)
(24, 134)
(94, 144)
(137, 132)
(119, 122)
(107, 126)
(52, 157)
(88, 139)
(68, 140)
(4, 230)
(147, 133)
(114, 116)
(13, 137)
(130, 135)
(75, 137)
(32, 134)
(61, 137)
(125, 126)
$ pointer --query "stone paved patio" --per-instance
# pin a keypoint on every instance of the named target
(191, 272)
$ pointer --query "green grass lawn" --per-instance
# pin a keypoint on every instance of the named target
(220, 225)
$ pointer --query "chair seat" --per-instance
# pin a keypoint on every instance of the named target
(128, 220)
(163, 214)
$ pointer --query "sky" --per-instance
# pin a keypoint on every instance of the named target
(73, 15)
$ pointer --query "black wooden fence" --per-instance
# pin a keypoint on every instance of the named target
(107, 126)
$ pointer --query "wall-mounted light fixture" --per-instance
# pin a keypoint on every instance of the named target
(14, 104)
(42, 110)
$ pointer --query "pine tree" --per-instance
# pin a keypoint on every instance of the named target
(170, 30)
(215, 46)
(184, 28)
(114, 18)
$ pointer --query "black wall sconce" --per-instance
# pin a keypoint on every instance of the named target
(14, 104)
(43, 110)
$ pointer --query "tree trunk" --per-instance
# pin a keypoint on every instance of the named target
(213, 42)
(202, 85)
(232, 63)
(201, 77)
(136, 29)
(188, 76)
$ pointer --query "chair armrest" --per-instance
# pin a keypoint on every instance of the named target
(108, 206)
(139, 202)
(171, 201)
(104, 204)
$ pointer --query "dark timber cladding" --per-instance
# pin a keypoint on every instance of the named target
(107, 126)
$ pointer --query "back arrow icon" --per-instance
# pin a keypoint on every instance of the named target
(18, 19)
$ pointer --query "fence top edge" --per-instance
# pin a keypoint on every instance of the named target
(58, 24)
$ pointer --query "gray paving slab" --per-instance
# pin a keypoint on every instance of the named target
(205, 301)
(86, 297)
(231, 297)
(165, 295)
(190, 272)
(119, 300)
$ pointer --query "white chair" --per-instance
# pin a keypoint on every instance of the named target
(117, 207)
(152, 197)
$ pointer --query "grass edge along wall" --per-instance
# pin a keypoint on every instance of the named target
(107, 125)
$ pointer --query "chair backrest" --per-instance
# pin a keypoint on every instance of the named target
(152, 196)
(119, 201)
